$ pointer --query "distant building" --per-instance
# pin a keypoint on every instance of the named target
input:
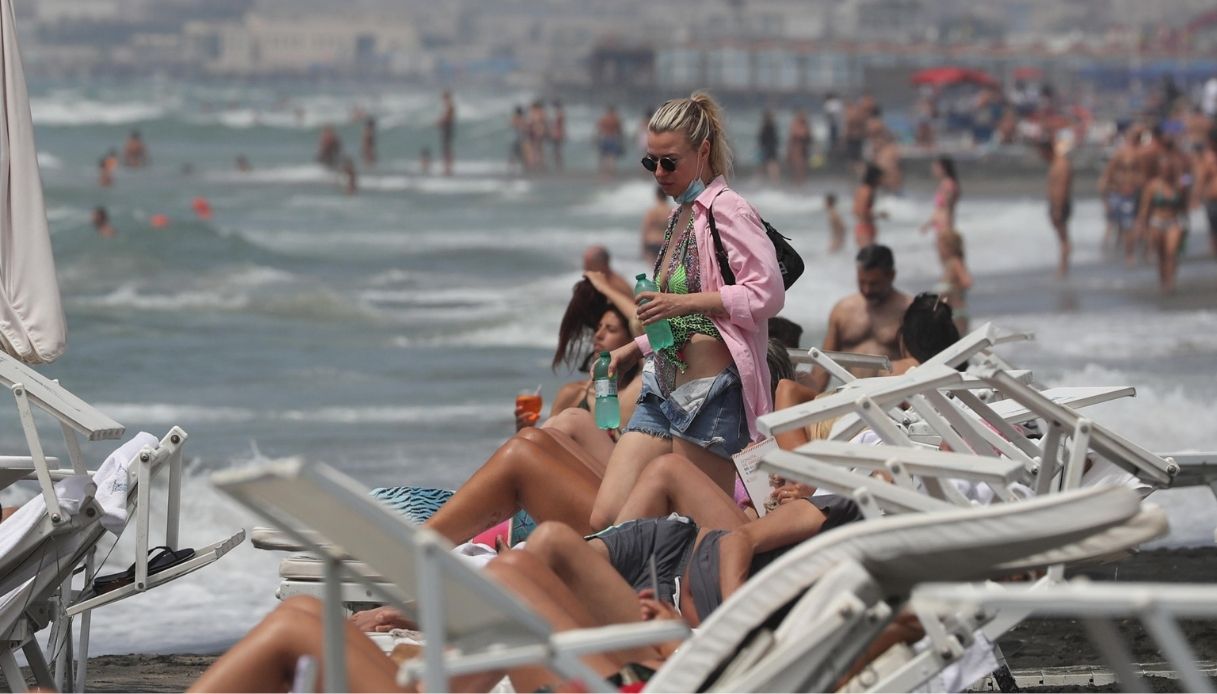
(277, 38)
(895, 21)
(50, 12)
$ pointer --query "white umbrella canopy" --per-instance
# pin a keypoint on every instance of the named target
(32, 326)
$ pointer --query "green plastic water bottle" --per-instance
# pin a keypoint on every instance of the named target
(608, 410)
(659, 332)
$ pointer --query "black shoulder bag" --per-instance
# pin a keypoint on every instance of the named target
(789, 262)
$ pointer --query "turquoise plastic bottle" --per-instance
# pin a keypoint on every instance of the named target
(660, 332)
(608, 409)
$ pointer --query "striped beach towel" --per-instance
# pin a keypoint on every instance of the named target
(420, 503)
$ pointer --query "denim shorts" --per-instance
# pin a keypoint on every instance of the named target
(708, 412)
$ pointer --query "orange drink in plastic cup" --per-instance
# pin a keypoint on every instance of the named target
(530, 401)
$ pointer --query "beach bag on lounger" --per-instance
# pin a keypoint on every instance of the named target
(789, 261)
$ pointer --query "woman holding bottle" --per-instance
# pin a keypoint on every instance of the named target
(702, 393)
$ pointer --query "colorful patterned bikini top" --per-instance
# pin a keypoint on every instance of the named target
(684, 277)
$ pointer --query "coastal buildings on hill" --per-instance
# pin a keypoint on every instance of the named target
(772, 47)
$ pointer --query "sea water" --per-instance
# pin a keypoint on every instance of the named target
(387, 333)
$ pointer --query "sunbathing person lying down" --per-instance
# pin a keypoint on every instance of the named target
(570, 581)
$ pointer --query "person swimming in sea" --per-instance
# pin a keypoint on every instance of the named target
(101, 222)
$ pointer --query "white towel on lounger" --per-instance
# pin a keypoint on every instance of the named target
(108, 487)
(114, 479)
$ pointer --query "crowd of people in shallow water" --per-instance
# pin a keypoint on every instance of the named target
(649, 520)
(1160, 166)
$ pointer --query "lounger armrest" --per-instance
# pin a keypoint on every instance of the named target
(848, 484)
(1014, 412)
(979, 340)
(620, 636)
(59, 402)
(883, 391)
(816, 356)
(1076, 598)
(922, 462)
(1195, 469)
(567, 645)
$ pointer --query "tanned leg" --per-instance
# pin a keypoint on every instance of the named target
(520, 474)
(545, 593)
(577, 427)
(558, 442)
(1170, 257)
(630, 456)
(265, 660)
(1062, 232)
(671, 483)
(721, 471)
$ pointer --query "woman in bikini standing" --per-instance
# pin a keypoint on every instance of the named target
(701, 397)
(1163, 219)
(946, 197)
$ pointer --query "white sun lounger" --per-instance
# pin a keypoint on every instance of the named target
(1084, 435)
(32, 391)
(875, 497)
(904, 463)
(867, 397)
(40, 559)
(48, 557)
(824, 633)
(456, 606)
(982, 340)
(1158, 606)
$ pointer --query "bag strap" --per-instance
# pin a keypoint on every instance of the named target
(720, 252)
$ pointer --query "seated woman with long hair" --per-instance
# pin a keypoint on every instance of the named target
(544, 472)
(552, 471)
(592, 324)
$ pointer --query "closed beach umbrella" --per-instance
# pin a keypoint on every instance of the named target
(32, 326)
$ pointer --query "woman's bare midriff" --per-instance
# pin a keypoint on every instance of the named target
(706, 356)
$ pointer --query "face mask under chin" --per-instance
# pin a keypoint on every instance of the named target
(696, 186)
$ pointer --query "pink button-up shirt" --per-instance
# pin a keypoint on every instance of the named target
(756, 296)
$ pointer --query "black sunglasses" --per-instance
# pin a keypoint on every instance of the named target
(651, 163)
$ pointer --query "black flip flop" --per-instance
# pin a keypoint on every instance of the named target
(165, 558)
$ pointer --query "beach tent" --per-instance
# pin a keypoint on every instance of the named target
(32, 326)
(949, 75)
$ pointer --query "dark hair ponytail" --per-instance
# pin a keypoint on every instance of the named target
(928, 327)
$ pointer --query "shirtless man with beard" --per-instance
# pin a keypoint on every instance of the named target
(867, 322)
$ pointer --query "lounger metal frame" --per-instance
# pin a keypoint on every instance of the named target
(1158, 606)
(77, 418)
